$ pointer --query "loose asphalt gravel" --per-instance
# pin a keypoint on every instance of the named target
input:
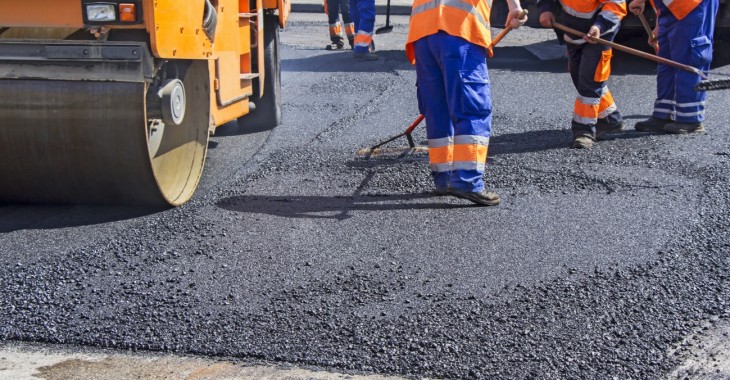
(598, 264)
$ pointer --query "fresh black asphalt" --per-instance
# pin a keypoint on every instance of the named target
(596, 265)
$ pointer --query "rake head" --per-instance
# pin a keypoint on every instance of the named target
(710, 85)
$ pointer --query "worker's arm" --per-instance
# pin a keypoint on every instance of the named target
(515, 10)
(609, 17)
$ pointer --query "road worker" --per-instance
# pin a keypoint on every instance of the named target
(449, 43)
(594, 112)
(333, 8)
(363, 14)
(685, 33)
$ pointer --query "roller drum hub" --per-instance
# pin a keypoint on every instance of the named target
(173, 104)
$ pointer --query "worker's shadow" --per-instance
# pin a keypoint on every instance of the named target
(548, 139)
(334, 207)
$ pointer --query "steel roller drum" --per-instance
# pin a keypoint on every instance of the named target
(91, 142)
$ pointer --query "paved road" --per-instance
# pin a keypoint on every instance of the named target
(603, 263)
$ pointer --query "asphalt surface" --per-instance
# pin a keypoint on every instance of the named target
(598, 264)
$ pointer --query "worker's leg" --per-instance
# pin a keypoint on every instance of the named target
(335, 28)
(469, 101)
(594, 100)
(664, 104)
(365, 26)
(432, 104)
(692, 45)
(354, 13)
(347, 21)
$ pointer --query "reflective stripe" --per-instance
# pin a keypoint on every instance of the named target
(609, 110)
(458, 4)
(469, 166)
(701, 104)
(441, 168)
(446, 168)
(607, 104)
(585, 120)
(471, 139)
(702, 112)
(662, 110)
(438, 143)
(665, 101)
(573, 12)
(589, 101)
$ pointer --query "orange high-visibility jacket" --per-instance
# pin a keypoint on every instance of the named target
(679, 8)
(468, 19)
(610, 12)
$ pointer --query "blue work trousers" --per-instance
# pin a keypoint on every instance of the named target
(687, 41)
(454, 95)
(363, 15)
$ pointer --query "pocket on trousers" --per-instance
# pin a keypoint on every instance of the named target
(603, 71)
(701, 51)
(475, 97)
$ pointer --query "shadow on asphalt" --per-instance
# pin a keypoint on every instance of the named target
(342, 61)
(537, 141)
(335, 207)
(15, 217)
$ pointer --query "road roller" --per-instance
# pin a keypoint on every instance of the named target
(113, 101)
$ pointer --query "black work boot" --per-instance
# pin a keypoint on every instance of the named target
(652, 124)
(603, 127)
(351, 40)
(482, 198)
(582, 142)
(584, 135)
(684, 128)
(337, 43)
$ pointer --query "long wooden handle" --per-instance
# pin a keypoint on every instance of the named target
(631, 51)
(506, 30)
(649, 32)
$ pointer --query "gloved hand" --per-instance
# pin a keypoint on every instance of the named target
(513, 19)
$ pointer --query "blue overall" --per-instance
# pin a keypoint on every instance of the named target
(363, 15)
(454, 95)
(687, 41)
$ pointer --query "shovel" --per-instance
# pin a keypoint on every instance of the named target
(387, 28)
(704, 85)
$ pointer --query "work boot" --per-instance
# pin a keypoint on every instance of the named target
(652, 124)
(482, 198)
(684, 128)
(337, 44)
(351, 40)
(365, 56)
(582, 142)
(603, 128)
